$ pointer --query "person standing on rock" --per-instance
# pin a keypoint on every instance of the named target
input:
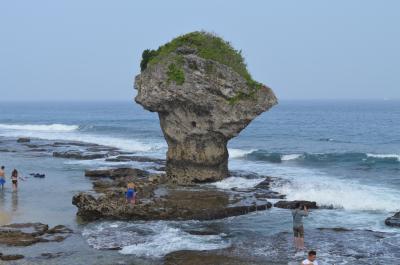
(131, 193)
(298, 229)
(2, 177)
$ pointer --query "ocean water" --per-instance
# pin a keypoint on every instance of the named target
(344, 154)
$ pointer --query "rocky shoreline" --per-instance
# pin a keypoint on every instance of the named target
(26, 234)
(159, 199)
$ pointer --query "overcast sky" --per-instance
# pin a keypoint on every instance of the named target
(91, 50)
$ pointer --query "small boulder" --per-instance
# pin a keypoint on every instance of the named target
(265, 184)
(23, 140)
(393, 220)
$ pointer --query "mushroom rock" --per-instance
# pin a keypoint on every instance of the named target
(204, 96)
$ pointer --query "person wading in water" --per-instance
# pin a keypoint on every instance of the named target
(14, 179)
(298, 230)
(2, 177)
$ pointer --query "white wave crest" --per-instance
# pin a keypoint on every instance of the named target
(173, 239)
(341, 194)
(383, 156)
(71, 133)
(290, 157)
(237, 182)
(238, 153)
(314, 185)
(40, 127)
(149, 239)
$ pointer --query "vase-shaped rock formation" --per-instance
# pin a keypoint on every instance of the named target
(200, 87)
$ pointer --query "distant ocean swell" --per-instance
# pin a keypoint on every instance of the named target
(86, 133)
(363, 158)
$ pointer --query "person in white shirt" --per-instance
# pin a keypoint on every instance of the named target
(311, 259)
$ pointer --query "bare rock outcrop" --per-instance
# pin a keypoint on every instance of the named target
(292, 204)
(394, 220)
(204, 96)
(26, 234)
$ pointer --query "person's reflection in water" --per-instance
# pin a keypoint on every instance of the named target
(14, 201)
(2, 198)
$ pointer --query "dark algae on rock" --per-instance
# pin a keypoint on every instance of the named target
(204, 95)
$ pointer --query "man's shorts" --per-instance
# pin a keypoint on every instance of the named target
(298, 231)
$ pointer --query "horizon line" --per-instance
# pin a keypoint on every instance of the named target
(133, 101)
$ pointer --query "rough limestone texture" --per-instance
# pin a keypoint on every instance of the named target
(199, 116)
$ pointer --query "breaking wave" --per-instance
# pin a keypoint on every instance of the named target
(237, 153)
(237, 182)
(300, 183)
(149, 239)
(77, 133)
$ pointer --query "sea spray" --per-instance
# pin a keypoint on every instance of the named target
(150, 239)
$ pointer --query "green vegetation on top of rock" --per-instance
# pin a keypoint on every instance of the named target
(146, 56)
(206, 45)
(175, 73)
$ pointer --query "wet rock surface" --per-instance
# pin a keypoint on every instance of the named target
(126, 158)
(23, 140)
(262, 191)
(205, 258)
(158, 199)
(52, 255)
(26, 234)
(114, 173)
(79, 155)
(393, 220)
(292, 204)
(176, 204)
(10, 257)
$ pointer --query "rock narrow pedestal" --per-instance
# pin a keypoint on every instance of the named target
(202, 103)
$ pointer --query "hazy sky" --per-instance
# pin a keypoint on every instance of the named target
(91, 50)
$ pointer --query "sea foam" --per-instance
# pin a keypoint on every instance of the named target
(290, 157)
(237, 182)
(385, 156)
(314, 185)
(238, 153)
(72, 133)
(40, 127)
(149, 239)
